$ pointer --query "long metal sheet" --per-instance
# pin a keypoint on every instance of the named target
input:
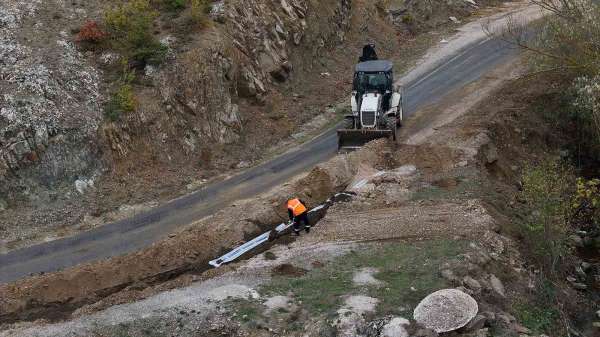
(239, 251)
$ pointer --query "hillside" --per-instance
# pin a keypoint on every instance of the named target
(94, 129)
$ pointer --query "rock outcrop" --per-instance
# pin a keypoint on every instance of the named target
(49, 103)
(199, 96)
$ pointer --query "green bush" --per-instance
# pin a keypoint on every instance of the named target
(199, 10)
(586, 205)
(174, 4)
(130, 27)
(123, 98)
(408, 19)
(568, 41)
(547, 189)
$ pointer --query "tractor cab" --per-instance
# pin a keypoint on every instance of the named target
(374, 77)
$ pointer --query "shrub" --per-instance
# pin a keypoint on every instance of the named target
(199, 10)
(567, 43)
(586, 204)
(90, 32)
(123, 98)
(408, 19)
(585, 104)
(174, 4)
(130, 25)
(122, 101)
(547, 191)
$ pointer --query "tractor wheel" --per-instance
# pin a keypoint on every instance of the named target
(348, 123)
(392, 124)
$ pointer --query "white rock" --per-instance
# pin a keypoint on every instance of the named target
(454, 19)
(472, 283)
(361, 304)
(395, 328)
(497, 285)
(149, 70)
(243, 164)
(82, 185)
(168, 41)
(350, 316)
(446, 310)
(232, 291)
(364, 277)
(277, 302)
(109, 58)
(406, 170)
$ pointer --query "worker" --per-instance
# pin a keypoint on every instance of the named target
(368, 53)
(298, 213)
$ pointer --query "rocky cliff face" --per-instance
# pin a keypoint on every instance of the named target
(49, 102)
(198, 99)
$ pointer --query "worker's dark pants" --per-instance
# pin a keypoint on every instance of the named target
(301, 218)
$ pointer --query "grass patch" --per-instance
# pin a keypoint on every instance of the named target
(539, 314)
(406, 267)
(270, 256)
(402, 266)
(536, 318)
(465, 188)
(246, 310)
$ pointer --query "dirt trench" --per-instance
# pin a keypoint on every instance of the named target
(57, 295)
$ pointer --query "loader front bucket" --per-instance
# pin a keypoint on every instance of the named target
(349, 139)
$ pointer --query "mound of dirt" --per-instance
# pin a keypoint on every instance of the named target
(287, 269)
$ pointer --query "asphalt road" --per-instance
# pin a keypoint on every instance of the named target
(142, 230)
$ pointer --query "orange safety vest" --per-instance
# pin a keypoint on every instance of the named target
(296, 207)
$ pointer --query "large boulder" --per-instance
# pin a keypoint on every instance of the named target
(446, 310)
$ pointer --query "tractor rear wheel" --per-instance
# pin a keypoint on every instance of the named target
(392, 124)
